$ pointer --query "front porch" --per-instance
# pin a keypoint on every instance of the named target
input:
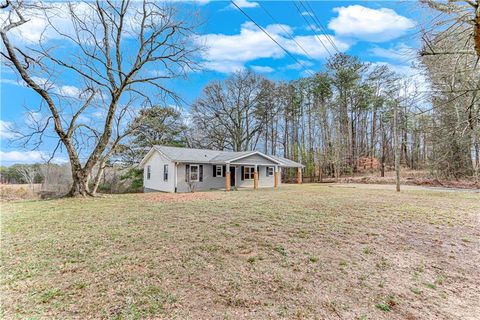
(251, 175)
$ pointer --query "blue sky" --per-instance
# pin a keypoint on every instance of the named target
(381, 32)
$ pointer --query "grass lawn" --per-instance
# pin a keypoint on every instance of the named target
(309, 251)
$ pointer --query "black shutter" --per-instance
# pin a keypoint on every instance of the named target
(201, 174)
(224, 168)
(214, 171)
(187, 172)
(242, 171)
(266, 171)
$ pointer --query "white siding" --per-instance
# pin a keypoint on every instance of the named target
(156, 182)
(208, 182)
(263, 180)
(254, 159)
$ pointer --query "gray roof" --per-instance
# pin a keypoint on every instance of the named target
(177, 154)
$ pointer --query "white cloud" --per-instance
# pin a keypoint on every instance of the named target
(35, 156)
(375, 25)
(307, 73)
(37, 26)
(63, 90)
(226, 53)
(262, 69)
(6, 130)
(399, 52)
(313, 27)
(315, 45)
(68, 91)
(415, 79)
(307, 13)
(245, 4)
(299, 65)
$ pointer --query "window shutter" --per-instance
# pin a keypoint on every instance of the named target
(214, 171)
(200, 177)
(224, 168)
(242, 171)
(266, 171)
(187, 172)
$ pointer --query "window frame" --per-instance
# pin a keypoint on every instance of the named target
(272, 172)
(165, 172)
(221, 170)
(190, 173)
(251, 173)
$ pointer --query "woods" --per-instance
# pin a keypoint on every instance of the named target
(332, 122)
(346, 116)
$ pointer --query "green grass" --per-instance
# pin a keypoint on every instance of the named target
(300, 252)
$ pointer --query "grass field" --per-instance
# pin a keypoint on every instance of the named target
(309, 251)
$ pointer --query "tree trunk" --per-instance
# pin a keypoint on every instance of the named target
(80, 184)
(397, 150)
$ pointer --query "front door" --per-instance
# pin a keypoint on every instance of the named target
(232, 176)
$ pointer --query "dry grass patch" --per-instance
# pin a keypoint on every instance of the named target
(305, 251)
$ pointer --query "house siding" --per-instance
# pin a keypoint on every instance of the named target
(208, 182)
(156, 182)
(263, 180)
(254, 159)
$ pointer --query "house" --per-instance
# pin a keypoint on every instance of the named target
(172, 169)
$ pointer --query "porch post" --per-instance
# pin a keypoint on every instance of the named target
(227, 177)
(255, 177)
(299, 175)
(275, 178)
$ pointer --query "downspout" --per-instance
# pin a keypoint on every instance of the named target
(175, 177)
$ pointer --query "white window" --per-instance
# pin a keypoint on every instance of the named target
(248, 173)
(148, 172)
(219, 171)
(270, 171)
(194, 174)
(165, 172)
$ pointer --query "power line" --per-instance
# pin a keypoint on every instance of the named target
(286, 31)
(278, 44)
(319, 24)
(319, 39)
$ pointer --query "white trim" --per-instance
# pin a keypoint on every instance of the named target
(150, 153)
(216, 170)
(190, 173)
(165, 172)
(251, 154)
(175, 178)
(149, 172)
(268, 170)
(250, 174)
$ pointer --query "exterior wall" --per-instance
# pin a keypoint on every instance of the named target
(254, 159)
(156, 182)
(263, 180)
(209, 181)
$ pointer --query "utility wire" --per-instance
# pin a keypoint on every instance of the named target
(273, 39)
(319, 39)
(286, 31)
(319, 24)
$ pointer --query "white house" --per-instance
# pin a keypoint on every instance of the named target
(172, 169)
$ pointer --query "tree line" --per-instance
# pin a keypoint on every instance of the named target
(349, 115)
(333, 122)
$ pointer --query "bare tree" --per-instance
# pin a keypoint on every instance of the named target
(28, 173)
(118, 52)
(229, 113)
